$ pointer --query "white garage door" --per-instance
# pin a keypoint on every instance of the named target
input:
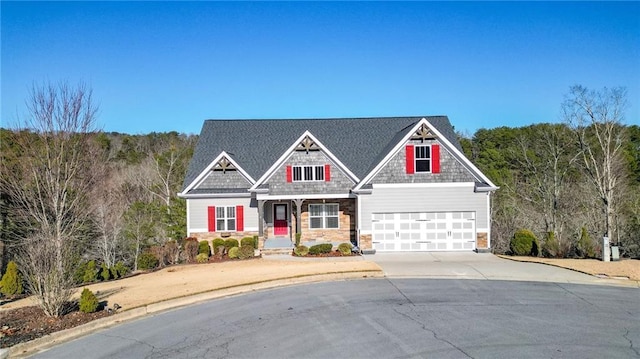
(426, 231)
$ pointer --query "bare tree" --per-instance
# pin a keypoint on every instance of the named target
(548, 158)
(596, 117)
(50, 196)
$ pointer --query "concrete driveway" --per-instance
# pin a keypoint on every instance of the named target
(471, 265)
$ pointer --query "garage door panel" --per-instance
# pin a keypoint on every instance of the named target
(424, 231)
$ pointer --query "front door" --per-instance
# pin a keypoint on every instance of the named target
(280, 225)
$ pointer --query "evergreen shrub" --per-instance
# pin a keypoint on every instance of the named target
(320, 248)
(230, 243)
(233, 252)
(551, 246)
(202, 258)
(105, 273)
(90, 272)
(345, 249)
(524, 243)
(11, 283)
(585, 247)
(246, 241)
(88, 301)
(147, 261)
(203, 248)
(216, 244)
(301, 251)
(246, 251)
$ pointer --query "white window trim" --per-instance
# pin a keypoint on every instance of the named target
(324, 215)
(416, 159)
(314, 176)
(226, 218)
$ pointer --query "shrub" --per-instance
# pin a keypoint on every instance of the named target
(345, 249)
(255, 242)
(191, 249)
(159, 253)
(203, 248)
(301, 251)
(246, 241)
(221, 250)
(551, 246)
(230, 243)
(216, 244)
(172, 252)
(119, 270)
(105, 273)
(320, 248)
(147, 261)
(585, 247)
(88, 301)
(11, 283)
(233, 252)
(298, 236)
(90, 272)
(246, 251)
(202, 258)
(524, 243)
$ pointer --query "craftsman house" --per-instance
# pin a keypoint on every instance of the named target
(389, 184)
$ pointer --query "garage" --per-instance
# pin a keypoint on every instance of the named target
(424, 231)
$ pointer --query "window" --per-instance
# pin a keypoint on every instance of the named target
(323, 216)
(308, 173)
(226, 218)
(423, 158)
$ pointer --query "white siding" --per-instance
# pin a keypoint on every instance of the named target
(424, 199)
(198, 212)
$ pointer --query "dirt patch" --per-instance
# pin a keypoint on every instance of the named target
(625, 268)
(29, 323)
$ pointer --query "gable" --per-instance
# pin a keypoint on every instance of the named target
(222, 175)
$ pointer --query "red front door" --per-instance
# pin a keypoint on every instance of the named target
(280, 227)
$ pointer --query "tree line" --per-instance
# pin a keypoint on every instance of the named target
(75, 200)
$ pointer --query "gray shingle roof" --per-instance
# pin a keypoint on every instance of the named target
(360, 143)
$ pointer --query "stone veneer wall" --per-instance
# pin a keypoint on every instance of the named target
(346, 232)
(365, 241)
(481, 240)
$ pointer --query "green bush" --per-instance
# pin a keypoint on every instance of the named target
(233, 252)
(216, 244)
(105, 273)
(301, 251)
(246, 241)
(230, 243)
(551, 246)
(11, 283)
(88, 301)
(524, 243)
(246, 251)
(585, 247)
(298, 236)
(345, 249)
(202, 258)
(255, 242)
(203, 248)
(90, 272)
(147, 261)
(119, 270)
(320, 248)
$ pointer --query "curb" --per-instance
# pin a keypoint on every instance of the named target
(626, 282)
(25, 349)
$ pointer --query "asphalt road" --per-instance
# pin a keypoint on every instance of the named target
(386, 318)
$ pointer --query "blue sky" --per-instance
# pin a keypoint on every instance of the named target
(167, 66)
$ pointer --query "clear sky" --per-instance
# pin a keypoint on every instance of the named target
(167, 66)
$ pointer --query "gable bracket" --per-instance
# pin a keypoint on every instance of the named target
(307, 144)
(223, 165)
(423, 133)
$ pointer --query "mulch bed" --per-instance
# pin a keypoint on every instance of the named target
(28, 323)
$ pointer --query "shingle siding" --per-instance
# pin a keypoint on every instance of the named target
(451, 170)
(339, 183)
(226, 179)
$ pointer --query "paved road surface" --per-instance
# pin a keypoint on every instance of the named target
(386, 318)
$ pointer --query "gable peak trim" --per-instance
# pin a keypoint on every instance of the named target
(217, 164)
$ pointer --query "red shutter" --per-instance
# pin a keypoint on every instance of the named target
(410, 159)
(239, 218)
(289, 174)
(212, 218)
(327, 173)
(435, 158)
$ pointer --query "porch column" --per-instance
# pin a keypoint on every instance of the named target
(261, 218)
(298, 203)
